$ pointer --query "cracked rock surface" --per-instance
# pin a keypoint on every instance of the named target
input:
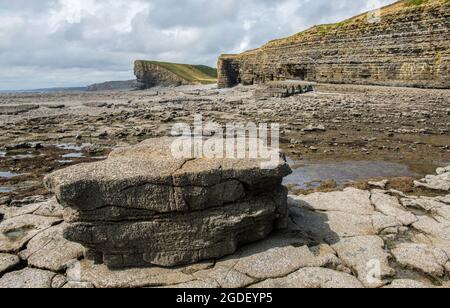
(364, 243)
(142, 206)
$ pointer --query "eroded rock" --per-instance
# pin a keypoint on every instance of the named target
(51, 251)
(423, 258)
(28, 278)
(142, 206)
(362, 254)
(313, 277)
(8, 262)
(17, 231)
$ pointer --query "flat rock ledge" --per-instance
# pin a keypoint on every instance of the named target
(143, 207)
(344, 239)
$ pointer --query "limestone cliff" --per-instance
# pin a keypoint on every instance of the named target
(152, 73)
(406, 45)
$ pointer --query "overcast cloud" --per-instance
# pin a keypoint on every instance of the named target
(51, 43)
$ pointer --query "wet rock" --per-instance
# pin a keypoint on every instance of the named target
(7, 262)
(313, 278)
(390, 206)
(51, 251)
(24, 145)
(143, 207)
(361, 253)
(421, 257)
(17, 231)
(28, 278)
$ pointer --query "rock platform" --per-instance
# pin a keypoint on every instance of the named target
(375, 238)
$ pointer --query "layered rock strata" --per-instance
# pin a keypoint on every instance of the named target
(282, 89)
(143, 207)
(151, 74)
(405, 45)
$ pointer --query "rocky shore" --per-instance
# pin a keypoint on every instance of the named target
(351, 238)
(374, 232)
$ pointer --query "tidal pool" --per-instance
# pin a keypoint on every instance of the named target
(308, 175)
(73, 155)
(8, 174)
(6, 190)
(72, 147)
(22, 156)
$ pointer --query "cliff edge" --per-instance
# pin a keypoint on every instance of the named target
(153, 73)
(403, 44)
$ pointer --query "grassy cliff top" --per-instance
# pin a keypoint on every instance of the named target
(357, 21)
(191, 73)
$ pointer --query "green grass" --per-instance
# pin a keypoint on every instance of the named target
(192, 73)
(416, 2)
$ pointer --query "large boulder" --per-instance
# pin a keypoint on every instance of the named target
(142, 206)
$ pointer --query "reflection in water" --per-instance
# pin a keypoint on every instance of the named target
(22, 156)
(73, 155)
(19, 233)
(310, 174)
(6, 190)
(72, 147)
(8, 174)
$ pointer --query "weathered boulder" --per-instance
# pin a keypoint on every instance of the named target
(142, 206)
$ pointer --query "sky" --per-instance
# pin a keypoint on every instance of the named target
(58, 43)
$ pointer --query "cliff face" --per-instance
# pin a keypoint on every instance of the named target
(114, 86)
(152, 73)
(409, 46)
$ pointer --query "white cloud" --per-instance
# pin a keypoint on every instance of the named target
(76, 42)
